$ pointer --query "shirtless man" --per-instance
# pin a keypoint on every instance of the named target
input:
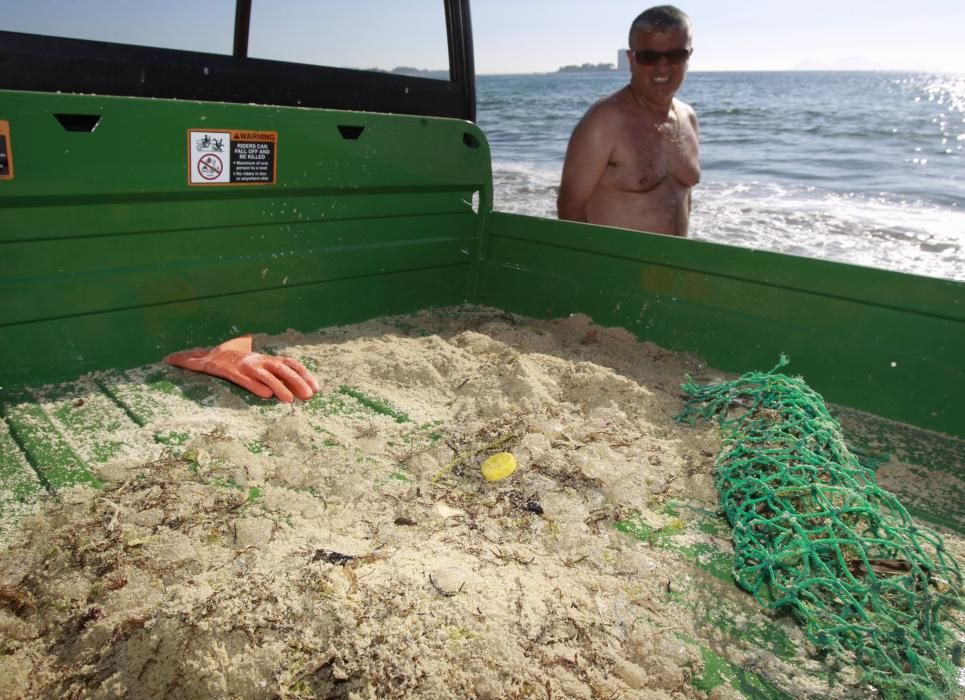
(633, 158)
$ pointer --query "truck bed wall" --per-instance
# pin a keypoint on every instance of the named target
(109, 259)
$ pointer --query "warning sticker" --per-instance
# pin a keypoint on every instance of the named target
(6, 153)
(232, 157)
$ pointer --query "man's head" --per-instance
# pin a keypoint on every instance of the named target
(660, 19)
(660, 46)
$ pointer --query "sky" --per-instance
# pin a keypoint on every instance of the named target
(525, 36)
(513, 36)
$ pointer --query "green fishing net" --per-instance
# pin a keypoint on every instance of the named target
(814, 533)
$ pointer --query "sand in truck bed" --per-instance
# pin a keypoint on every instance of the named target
(349, 547)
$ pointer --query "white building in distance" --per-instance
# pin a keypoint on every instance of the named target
(623, 63)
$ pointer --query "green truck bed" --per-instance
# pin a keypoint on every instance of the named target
(110, 259)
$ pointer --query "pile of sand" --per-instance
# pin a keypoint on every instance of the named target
(349, 547)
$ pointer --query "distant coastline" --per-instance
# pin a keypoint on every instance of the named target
(588, 68)
(421, 72)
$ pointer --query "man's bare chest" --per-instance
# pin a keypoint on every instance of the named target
(643, 164)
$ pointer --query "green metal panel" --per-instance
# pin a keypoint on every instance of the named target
(219, 261)
(108, 258)
(59, 348)
(888, 343)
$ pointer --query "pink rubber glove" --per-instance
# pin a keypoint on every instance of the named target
(262, 375)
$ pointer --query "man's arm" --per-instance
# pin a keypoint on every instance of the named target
(587, 156)
(695, 125)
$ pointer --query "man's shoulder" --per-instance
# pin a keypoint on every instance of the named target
(684, 108)
(685, 111)
(608, 107)
(616, 100)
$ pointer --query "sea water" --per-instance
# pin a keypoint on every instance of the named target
(859, 167)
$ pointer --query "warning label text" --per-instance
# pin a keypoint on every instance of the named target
(232, 157)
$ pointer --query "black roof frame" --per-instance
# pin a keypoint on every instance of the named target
(53, 64)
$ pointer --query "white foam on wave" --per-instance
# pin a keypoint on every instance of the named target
(525, 188)
(883, 231)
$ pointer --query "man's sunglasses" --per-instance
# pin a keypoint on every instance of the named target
(649, 57)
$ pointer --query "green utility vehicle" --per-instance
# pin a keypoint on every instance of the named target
(157, 199)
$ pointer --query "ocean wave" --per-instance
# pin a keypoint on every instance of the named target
(526, 188)
(883, 230)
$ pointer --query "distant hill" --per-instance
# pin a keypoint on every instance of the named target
(588, 68)
(440, 74)
(421, 72)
